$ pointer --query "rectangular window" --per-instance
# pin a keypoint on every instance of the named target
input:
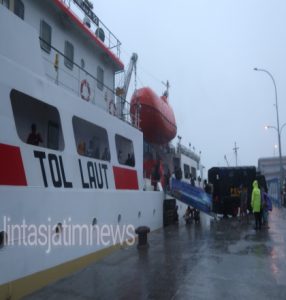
(37, 123)
(19, 9)
(194, 172)
(125, 151)
(69, 55)
(91, 140)
(6, 3)
(45, 36)
(186, 171)
(100, 78)
(53, 135)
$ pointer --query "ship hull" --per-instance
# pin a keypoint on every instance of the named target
(52, 185)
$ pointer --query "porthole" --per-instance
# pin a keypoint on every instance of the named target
(3, 239)
(59, 228)
(119, 218)
(139, 214)
(94, 222)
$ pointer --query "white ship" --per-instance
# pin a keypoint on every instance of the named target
(70, 153)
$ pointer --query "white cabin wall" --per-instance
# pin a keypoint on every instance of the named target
(191, 163)
(22, 79)
(84, 48)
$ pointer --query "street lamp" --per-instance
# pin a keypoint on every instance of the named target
(278, 126)
(273, 127)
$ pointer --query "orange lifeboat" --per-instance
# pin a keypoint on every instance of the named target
(157, 119)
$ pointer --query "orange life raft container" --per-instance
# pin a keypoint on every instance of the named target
(157, 119)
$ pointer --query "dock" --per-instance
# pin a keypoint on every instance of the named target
(215, 259)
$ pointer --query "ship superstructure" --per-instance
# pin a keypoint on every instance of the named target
(70, 153)
(65, 154)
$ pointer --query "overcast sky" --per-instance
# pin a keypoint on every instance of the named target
(207, 49)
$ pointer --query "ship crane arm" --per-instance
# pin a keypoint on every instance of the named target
(122, 91)
(131, 67)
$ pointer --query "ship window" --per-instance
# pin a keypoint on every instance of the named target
(69, 55)
(187, 171)
(125, 151)
(6, 3)
(100, 78)
(194, 172)
(46, 36)
(37, 123)
(19, 9)
(91, 140)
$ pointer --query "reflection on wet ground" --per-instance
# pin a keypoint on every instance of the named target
(224, 259)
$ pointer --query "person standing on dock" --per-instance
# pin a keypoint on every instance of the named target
(243, 202)
(256, 204)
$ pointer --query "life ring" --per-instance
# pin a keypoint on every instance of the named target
(84, 86)
(112, 108)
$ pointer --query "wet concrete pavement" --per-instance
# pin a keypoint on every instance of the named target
(223, 259)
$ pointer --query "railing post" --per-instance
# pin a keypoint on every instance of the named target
(78, 81)
(56, 66)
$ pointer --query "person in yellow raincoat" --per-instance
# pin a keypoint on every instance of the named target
(256, 204)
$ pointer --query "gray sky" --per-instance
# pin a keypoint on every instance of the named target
(207, 50)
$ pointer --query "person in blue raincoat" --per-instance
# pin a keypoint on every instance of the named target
(266, 207)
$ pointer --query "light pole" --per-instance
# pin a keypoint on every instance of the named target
(273, 127)
(275, 147)
(277, 128)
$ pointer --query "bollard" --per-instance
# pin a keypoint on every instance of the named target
(142, 232)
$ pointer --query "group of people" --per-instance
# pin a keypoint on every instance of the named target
(192, 214)
(261, 205)
(92, 151)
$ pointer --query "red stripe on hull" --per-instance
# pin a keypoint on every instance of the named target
(125, 179)
(11, 166)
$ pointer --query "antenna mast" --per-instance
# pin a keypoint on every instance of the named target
(167, 85)
(235, 153)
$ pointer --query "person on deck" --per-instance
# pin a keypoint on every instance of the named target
(178, 173)
(155, 176)
(34, 138)
(167, 177)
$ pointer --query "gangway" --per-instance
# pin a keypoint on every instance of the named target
(191, 195)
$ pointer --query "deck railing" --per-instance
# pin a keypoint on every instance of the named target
(82, 9)
(86, 85)
(188, 152)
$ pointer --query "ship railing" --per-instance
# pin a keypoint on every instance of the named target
(86, 86)
(83, 9)
(170, 148)
(188, 152)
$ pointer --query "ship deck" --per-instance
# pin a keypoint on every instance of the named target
(224, 259)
